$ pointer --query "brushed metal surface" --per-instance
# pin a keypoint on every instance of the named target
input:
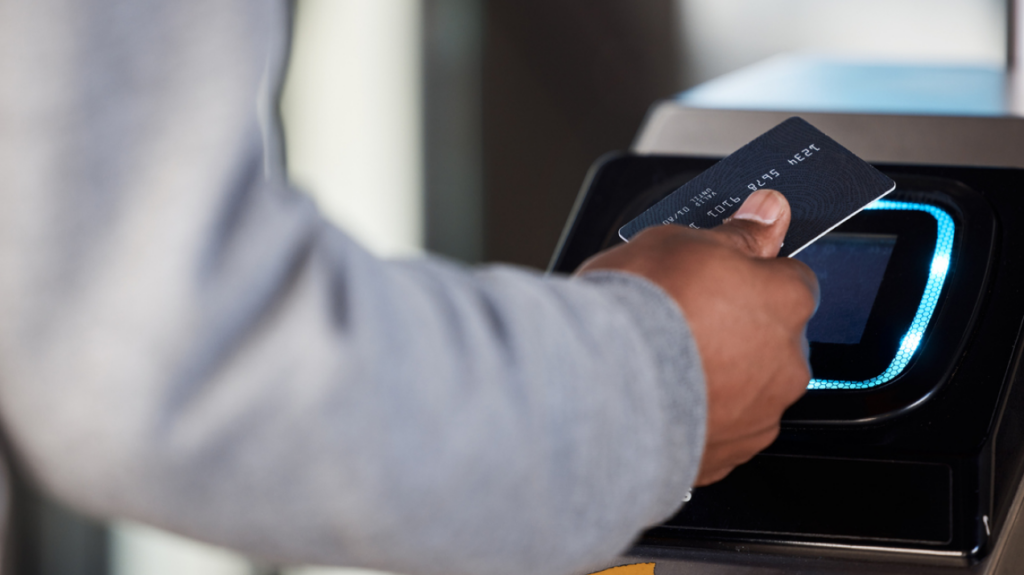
(671, 128)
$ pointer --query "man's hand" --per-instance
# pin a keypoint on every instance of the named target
(748, 312)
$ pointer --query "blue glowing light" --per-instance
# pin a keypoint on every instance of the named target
(933, 288)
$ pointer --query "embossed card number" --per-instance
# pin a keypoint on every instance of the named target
(824, 182)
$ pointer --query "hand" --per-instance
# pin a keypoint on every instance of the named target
(748, 312)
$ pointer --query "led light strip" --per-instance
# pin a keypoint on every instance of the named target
(936, 279)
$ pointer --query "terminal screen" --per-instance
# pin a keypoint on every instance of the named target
(850, 268)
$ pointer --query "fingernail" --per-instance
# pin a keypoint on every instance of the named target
(763, 206)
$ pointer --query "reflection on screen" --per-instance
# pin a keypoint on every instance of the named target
(850, 269)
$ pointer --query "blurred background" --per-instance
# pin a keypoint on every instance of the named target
(466, 127)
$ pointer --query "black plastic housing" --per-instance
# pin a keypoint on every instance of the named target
(921, 469)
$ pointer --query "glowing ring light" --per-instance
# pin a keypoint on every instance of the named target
(932, 290)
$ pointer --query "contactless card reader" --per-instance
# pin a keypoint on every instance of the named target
(908, 445)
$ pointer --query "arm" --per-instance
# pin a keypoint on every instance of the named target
(186, 342)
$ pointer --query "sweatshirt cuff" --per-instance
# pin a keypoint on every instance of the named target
(667, 335)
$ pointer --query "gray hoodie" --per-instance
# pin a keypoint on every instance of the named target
(185, 341)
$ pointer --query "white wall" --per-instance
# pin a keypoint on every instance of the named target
(352, 109)
(142, 550)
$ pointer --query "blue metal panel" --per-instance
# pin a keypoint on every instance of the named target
(798, 83)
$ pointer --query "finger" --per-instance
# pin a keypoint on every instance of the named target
(803, 293)
(759, 226)
(805, 274)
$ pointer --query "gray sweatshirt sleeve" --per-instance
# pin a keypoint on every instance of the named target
(185, 341)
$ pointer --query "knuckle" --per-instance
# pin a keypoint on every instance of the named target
(799, 378)
(801, 272)
(803, 375)
(770, 435)
(756, 444)
(806, 305)
(802, 288)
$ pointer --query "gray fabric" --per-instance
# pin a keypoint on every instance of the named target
(185, 341)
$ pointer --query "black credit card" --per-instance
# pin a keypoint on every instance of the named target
(825, 185)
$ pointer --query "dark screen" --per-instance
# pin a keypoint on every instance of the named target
(850, 268)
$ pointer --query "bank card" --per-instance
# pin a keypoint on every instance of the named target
(825, 183)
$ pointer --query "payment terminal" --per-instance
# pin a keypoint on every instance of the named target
(908, 446)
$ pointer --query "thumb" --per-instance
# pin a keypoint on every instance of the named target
(759, 226)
